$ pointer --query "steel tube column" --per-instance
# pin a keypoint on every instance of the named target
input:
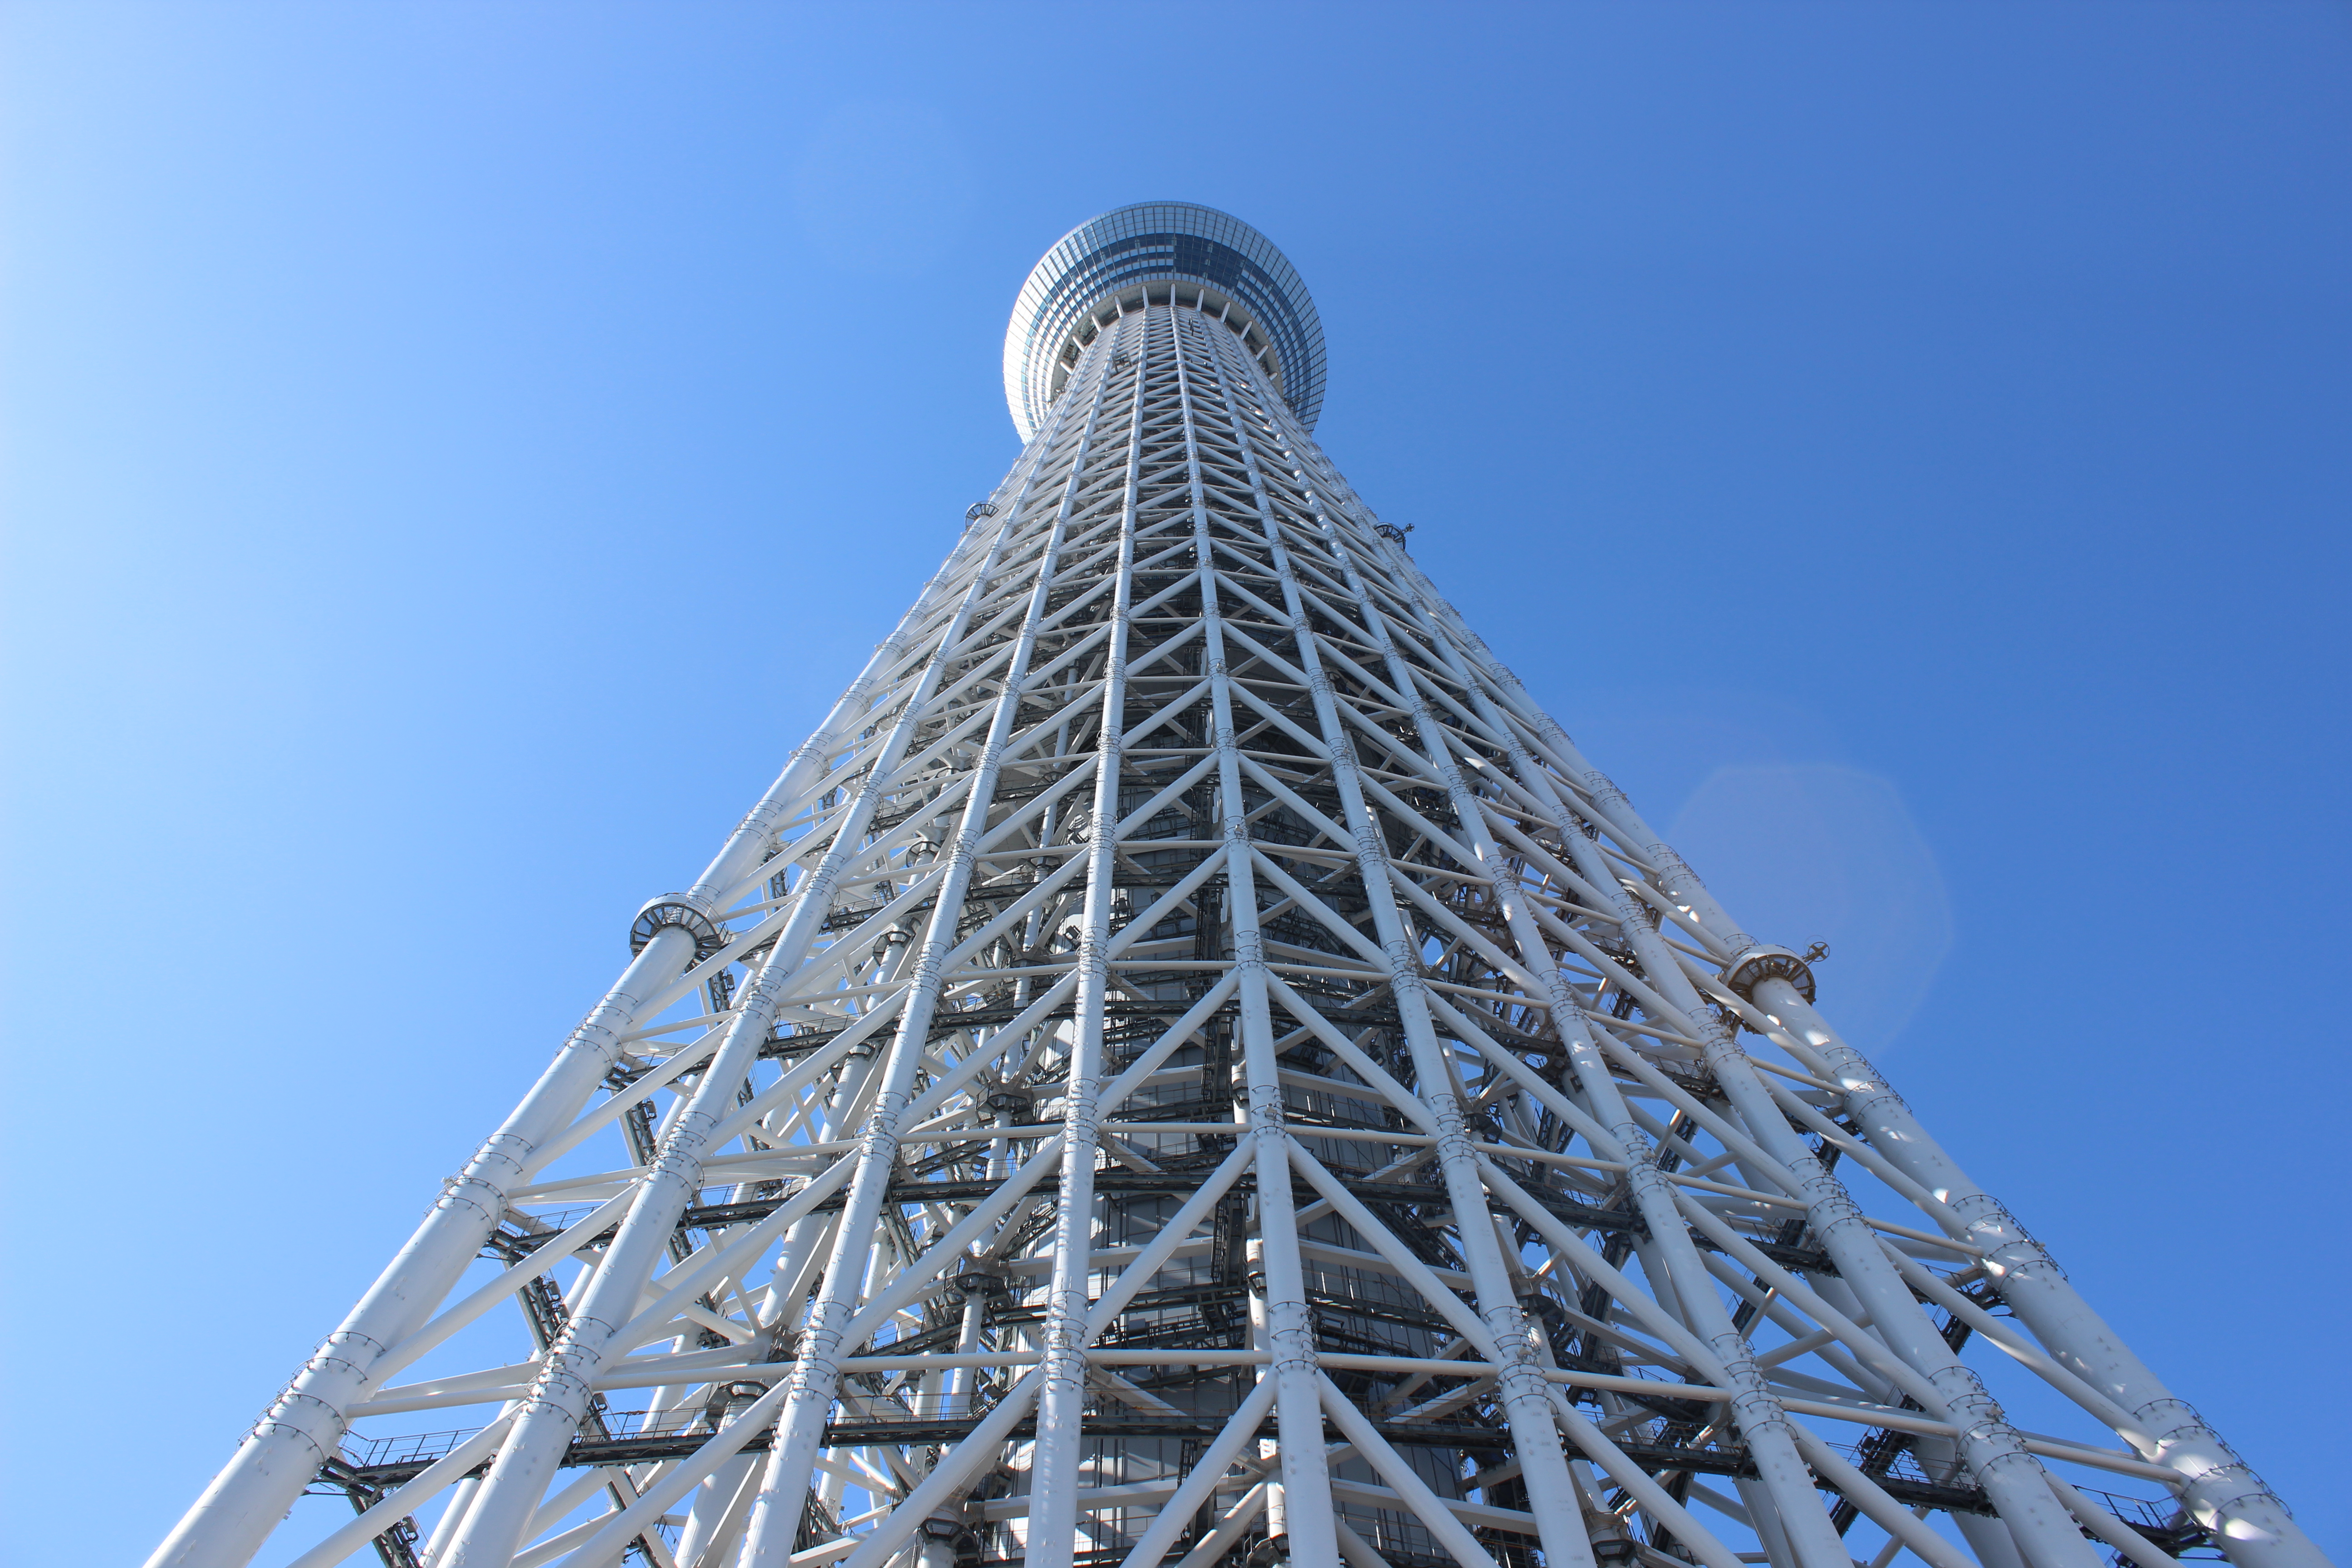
(1996, 1446)
(1534, 1432)
(302, 1427)
(2032, 1504)
(748, 845)
(2011, 1477)
(1306, 1514)
(1057, 1456)
(502, 1506)
(2221, 1491)
(1783, 1476)
(1772, 1437)
(816, 1373)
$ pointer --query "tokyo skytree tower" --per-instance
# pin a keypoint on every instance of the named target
(1190, 1065)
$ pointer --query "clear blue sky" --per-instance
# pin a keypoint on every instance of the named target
(454, 452)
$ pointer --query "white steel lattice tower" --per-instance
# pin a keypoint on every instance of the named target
(1191, 1065)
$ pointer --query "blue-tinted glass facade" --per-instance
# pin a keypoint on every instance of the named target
(1160, 242)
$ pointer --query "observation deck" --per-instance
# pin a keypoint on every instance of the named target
(1161, 253)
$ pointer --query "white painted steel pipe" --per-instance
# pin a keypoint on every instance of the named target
(1535, 1436)
(550, 1414)
(2221, 1491)
(776, 1514)
(1207, 1475)
(754, 835)
(405, 1500)
(1875, 1505)
(2100, 1523)
(1056, 1458)
(1434, 1515)
(1757, 1411)
(2010, 1476)
(301, 1428)
(1303, 1494)
(2227, 1497)
(1998, 1457)
(228, 1523)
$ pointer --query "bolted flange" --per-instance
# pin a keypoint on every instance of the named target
(1758, 964)
(669, 910)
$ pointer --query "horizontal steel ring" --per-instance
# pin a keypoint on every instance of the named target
(672, 910)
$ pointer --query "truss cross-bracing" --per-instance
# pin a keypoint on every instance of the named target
(1190, 1066)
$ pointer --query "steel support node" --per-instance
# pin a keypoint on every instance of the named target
(1762, 962)
(675, 910)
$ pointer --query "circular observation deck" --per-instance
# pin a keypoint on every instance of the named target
(1158, 253)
